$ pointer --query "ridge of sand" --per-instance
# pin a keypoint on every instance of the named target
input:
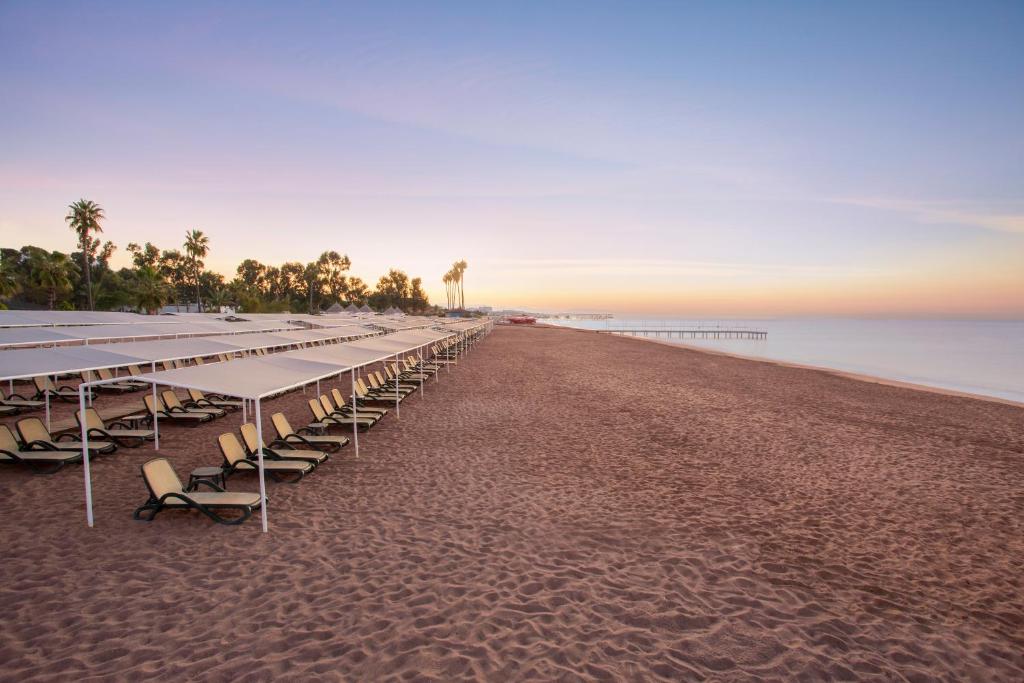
(559, 507)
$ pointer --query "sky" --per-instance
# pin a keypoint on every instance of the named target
(713, 159)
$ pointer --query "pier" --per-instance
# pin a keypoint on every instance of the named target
(673, 331)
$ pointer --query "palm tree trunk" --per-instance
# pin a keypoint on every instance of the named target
(88, 279)
(199, 304)
(462, 290)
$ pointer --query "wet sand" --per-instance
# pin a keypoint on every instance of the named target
(563, 505)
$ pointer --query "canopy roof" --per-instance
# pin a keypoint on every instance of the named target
(250, 378)
(34, 362)
(37, 336)
(46, 318)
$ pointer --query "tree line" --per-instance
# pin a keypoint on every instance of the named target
(85, 280)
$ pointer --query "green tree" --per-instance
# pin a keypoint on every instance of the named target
(150, 290)
(9, 284)
(84, 217)
(52, 271)
(332, 267)
(149, 255)
(197, 246)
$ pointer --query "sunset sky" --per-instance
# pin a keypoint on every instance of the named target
(664, 158)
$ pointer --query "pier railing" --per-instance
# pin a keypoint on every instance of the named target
(684, 330)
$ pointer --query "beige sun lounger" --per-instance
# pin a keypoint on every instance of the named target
(120, 433)
(35, 436)
(167, 493)
(306, 435)
(286, 451)
(39, 461)
(280, 470)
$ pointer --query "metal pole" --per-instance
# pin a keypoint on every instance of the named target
(263, 483)
(355, 426)
(85, 455)
(419, 351)
(156, 421)
(47, 398)
(398, 411)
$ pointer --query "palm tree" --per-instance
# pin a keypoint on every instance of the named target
(150, 289)
(447, 280)
(84, 217)
(52, 271)
(197, 245)
(461, 267)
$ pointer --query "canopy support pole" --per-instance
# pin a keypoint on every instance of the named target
(419, 352)
(263, 483)
(85, 455)
(398, 411)
(355, 425)
(47, 399)
(156, 421)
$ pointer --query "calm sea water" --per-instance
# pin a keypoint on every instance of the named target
(979, 357)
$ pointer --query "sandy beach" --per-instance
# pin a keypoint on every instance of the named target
(562, 506)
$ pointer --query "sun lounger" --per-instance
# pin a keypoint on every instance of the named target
(114, 388)
(279, 470)
(19, 402)
(363, 411)
(35, 436)
(105, 373)
(201, 400)
(344, 413)
(278, 450)
(306, 435)
(167, 493)
(320, 416)
(120, 433)
(41, 461)
(173, 403)
(45, 387)
(181, 416)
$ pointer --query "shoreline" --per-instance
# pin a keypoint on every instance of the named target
(860, 377)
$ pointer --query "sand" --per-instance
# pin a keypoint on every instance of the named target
(563, 505)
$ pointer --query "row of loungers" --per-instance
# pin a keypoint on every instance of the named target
(290, 457)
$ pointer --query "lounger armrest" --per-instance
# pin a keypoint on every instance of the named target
(96, 431)
(206, 482)
(176, 409)
(300, 439)
(120, 424)
(66, 436)
(19, 397)
(279, 443)
(40, 446)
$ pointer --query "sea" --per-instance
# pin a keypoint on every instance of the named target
(977, 357)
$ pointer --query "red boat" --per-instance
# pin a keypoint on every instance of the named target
(522, 320)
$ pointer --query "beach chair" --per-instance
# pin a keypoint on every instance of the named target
(365, 397)
(40, 461)
(34, 434)
(173, 403)
(321, 417)
(278, 450)
(280, 470)
(201, 400)
(306, 436)
(18, 402)
(366, 411)
(120, 433)
(114, 388)
(344, 414)
(200, 361)
(180, 416)
(381, 390)
(105, 373)
(44, 387)
(167, 493)
(408, 379)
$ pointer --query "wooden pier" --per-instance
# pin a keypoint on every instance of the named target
(690, 333)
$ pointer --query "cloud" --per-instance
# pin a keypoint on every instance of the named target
(950, 212)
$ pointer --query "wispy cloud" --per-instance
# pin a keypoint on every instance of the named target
(950, 212)
(672, 267)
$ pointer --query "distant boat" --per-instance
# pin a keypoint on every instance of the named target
(522, 320)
